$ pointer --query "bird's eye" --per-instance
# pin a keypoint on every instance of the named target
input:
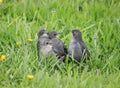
(55, 34)
(47, 43)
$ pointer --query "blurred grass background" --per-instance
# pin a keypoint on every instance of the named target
(99, 21)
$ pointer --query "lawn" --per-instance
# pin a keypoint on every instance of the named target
(20, 22)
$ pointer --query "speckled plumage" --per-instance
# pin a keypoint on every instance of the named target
(43, 45)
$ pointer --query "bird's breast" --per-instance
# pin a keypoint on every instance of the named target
(75, 49)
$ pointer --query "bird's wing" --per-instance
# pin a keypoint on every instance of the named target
(58, 47)
(85, 49)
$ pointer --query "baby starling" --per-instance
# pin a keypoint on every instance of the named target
(77, 47)
(58, 46)
(44, 46)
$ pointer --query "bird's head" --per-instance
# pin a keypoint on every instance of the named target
(42, 33)
(76, 34)
(53, 34)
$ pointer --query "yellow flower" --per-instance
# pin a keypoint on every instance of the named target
(18, 43)
(30, 40)
(1, 1)
(30, 77)
(2, 58)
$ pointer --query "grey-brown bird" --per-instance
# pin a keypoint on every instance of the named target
(44, 46)
(58, 46)
(77, 47)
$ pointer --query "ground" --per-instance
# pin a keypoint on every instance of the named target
(20, 21)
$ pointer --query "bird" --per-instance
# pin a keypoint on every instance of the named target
(58, 46)
(44, 46)
(77, 47)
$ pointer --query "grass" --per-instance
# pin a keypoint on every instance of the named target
(99, 21)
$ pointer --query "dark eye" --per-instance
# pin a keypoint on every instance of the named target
(55, 34)
(47, 43)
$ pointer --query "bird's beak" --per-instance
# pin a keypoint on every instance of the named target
(45, 35)
(49, 43)
(57, 36)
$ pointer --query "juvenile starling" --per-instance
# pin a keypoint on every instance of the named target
(58, 46)
(44, 46)
(77, 47)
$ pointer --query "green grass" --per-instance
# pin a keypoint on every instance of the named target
(99, 21)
